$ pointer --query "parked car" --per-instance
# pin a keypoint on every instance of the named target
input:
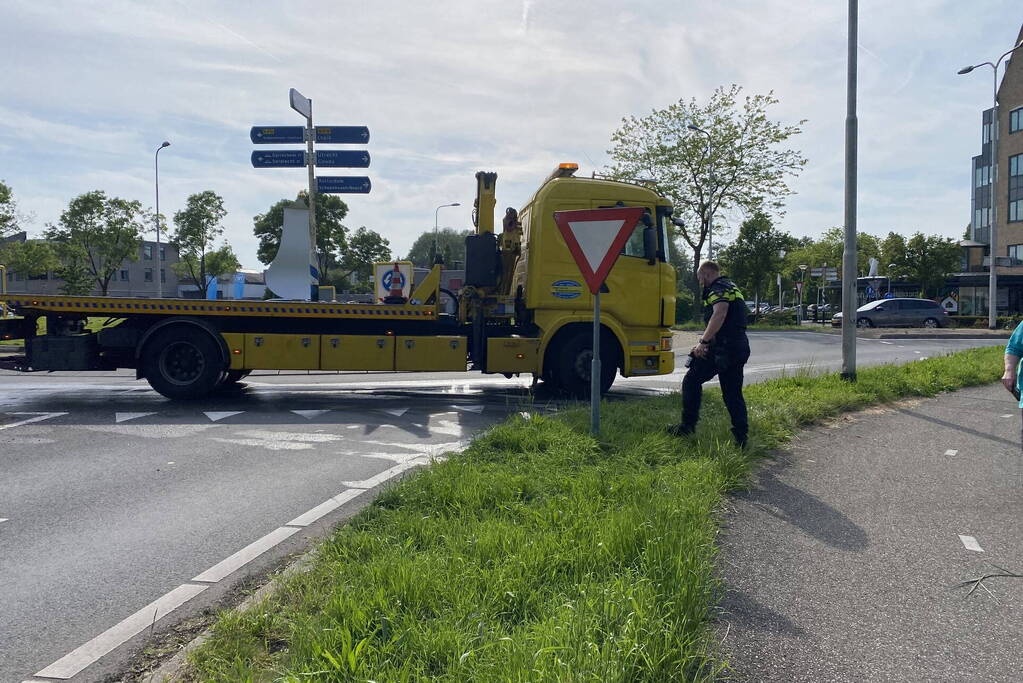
(898, 313)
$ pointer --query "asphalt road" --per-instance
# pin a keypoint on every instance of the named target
(118, 504)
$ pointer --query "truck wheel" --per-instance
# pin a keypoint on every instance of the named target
(571, 372)
(183, 363)
(234, 376)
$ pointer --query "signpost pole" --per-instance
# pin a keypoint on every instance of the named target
(595, 369)
(311, 135)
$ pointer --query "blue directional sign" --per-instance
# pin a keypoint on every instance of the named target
(277, 135)
(342, 135)
(284, 158)
(343, 185)
(344, 158)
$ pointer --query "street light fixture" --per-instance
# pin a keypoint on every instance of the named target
(802, 279)
(707, 214)
(992, 304)
(437, 258)
(159, 272)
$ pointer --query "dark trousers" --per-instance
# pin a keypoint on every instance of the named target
(728, 367)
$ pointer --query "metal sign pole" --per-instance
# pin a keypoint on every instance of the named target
(311, 135)
(595, 369)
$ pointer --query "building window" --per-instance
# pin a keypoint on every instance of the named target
(148, 275)
(147, 252)
(1016, 211)
(124, 276)
(163, 275)
(1016, 165)
(163, 253)
(1015, 252)
(982, 176)
(1016, 120)
(986, 136)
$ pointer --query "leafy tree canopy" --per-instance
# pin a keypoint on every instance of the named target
(331, 234)
(198, 226)
(449, 242)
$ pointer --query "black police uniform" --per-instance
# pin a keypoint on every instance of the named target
(726, 356)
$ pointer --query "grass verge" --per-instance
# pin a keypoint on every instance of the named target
(543, 554)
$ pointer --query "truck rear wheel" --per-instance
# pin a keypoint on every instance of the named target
(571, 368)
(183, 363)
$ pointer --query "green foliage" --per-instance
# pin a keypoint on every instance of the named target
(364, 247)
(450, 243)
(754, 258)
(9, 217)
(29, 258)
(928, 260)
(73, 271)
(540, 553)
(99, 233)
(684, 307)
(331, 234)
(197, 227)
(744, 165)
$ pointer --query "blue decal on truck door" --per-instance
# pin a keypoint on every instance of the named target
(566, 289)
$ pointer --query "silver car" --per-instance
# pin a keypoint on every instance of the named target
(898, 313)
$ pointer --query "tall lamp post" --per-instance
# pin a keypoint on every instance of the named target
(707, 217)
(992, 283)
(802, 286)
(159, 272)
(437, 258)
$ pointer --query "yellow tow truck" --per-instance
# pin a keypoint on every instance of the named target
(523, 308)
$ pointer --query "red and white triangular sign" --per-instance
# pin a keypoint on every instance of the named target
(595, 238)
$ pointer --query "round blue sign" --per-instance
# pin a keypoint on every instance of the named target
(389, 277)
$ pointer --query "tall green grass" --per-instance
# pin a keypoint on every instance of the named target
(541, 554)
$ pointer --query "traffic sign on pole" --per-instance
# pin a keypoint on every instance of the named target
(595, 238)
(283, 158)
(342, 135)
(343, 158)
(277, 135)
(343, 184)
(303, 105)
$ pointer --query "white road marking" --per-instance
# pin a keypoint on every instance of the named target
(325, 507)
(448, 427)
(124, 417)
(217, 415)
(396, 412)
(916, 352)
(310, 414)
(84, 655)
(951, 452)
(352, 427)
(884, 342)
(470, 409)
(971, 543)
(245, 555)
(1005, 416)
(164, 431)
(39, 417)
(385, 475)
(3, 519)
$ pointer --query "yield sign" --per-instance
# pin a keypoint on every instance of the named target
(595, 238)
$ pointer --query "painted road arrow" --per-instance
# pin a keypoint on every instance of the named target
(277, 135)
(343, 158)
(284, 158)
(342, 185)
(342, 135)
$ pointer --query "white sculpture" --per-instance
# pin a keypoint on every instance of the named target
(294, 269)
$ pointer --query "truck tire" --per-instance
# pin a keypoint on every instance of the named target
(183, 363)
(570, 371)
(235, 376)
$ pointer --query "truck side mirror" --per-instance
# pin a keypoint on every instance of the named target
(650, 244)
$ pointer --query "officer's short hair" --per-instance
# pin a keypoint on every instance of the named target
(709, 265)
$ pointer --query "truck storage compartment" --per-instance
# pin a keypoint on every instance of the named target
(74, 352)
(282, 351)
(356, 352)
(512, 354)
(431, 354)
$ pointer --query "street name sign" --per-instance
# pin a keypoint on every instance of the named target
(344, 158)
(343, 184)
(342, 135)
(289, 158)
(595, 238)
(277, 135)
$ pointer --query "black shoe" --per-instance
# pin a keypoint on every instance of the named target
(741, 440)
(680, 430)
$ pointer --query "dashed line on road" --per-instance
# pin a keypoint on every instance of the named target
(250, 552)
(39, 417)
(3, 519)
(951, 451)
(970, 543)
(218, 415)
(124, 417)
(310, 414)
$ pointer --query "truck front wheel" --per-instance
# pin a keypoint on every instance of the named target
(183, 363)
(571, 368)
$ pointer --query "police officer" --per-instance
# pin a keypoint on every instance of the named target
(722, 350)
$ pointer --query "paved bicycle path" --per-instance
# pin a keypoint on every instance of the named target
(842, 562)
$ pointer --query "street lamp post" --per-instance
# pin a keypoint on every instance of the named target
(437, 258)
(890, 266)
(992, 304)
(159, 272)
(802, 286)
(707, 216)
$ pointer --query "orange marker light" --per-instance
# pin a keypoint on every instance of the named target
(236, 352)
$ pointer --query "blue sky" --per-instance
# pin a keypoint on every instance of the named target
(90, 89)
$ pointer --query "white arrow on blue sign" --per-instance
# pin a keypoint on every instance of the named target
(289, 158)
(342, 158)
(343, 185)
(342, 135)
(277, 135)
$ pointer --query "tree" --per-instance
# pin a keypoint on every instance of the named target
(215, 263)
(450, 244)
(197, 228)
(743, 166)
(753, 258)
(76, 279)
(929, 259)
(28, 258)
(102, 231)
(893, 252)
(9, 217)
(330, 232)
(363, 249)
